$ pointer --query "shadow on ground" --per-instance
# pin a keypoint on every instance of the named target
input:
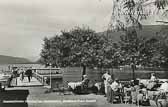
(10, 98)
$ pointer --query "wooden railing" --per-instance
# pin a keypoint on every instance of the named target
(43, 78)
(39, 78)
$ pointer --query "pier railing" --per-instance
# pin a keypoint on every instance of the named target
(39, 78)
(44, 79)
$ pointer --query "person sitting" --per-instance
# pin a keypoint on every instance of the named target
(85, 82)
(79, 86)
(100, 87)
(115, 86)
(164, 87)
(153, 77)
(153, 83)
(134, 90)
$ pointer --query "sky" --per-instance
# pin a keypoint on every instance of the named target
(24, 23)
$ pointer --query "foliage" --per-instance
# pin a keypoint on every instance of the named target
(78, 47)
(50, 52)
(161, 56)
(84, 47)
(136, 49)
(126, 13)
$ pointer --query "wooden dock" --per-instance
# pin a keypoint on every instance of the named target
(26, 83)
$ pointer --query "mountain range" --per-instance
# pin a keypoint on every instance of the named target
(13, 60)
(146, 31)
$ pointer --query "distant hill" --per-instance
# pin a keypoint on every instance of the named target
(146, 31)
(13, 60)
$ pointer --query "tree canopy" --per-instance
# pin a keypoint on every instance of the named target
(126, 13)
(84, 47)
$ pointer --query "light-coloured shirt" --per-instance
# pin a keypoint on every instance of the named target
(73, 85)
(107, 77)
(98, 85)
(115, 86)
(153, 78)
(164, 87)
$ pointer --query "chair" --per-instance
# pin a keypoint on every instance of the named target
(85, 84)
(127, 96)
(118, 95)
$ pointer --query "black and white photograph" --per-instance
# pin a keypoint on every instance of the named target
(83, 53)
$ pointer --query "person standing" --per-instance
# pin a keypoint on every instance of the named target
(109, 91)
(106, 77)
(29, 74)
(21, 72)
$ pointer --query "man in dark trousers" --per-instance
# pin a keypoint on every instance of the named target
(29, 74)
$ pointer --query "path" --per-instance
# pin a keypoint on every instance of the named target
(25, 82)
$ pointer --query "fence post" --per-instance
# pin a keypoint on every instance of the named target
(16, 81)
(42, 79)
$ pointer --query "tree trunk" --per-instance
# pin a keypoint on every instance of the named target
(83, 71)
(112, 73)
(133, 71)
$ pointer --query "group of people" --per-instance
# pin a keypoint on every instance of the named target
(137, 90)
(22, 72)
(112, 87)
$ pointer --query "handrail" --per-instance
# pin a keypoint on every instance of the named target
(39, 78)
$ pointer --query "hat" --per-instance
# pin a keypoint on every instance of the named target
(152, 73)
(116, 79)
(84, 76)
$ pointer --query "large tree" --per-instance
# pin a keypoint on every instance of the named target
(85, 46)
(136, 50)
(77, 47)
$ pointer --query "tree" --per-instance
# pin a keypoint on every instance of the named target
(126, 13)
(108, 53)
(45, 52)
(85, 46)
(136, 50)
(50, 52)
(130, 13)
(77, 47)
(161, 56)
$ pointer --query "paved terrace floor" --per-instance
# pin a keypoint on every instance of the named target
(34, 95)
(37, 97)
